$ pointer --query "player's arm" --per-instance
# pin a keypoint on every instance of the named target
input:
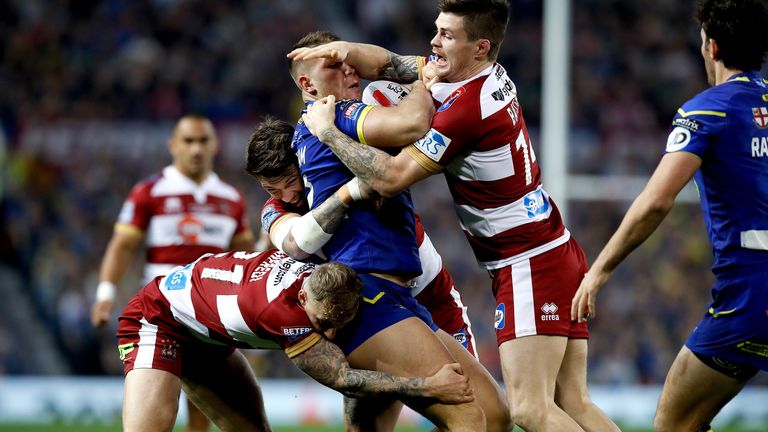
(387, 175)
(401, 124)
(371, 61)
(325, 362)
(643, 217)
(120, 250)
(301, 236)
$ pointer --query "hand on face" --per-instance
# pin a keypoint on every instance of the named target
(429, 75)
(335, 51)
(320, 115)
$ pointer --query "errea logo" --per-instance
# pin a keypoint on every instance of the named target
(550, 312)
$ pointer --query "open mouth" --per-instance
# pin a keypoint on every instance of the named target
(354, 85)
(440, 60)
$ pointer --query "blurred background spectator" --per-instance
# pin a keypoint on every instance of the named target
(91, 89)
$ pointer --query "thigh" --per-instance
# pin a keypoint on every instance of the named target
(530, 366)
(411, 348)
(150, 400)
(693, 394)
(533, 296)
(571, 383)
(226, 390)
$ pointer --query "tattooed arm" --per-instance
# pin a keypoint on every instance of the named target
(372, 62)
(325, 362)
(327, 215)
(387, 175)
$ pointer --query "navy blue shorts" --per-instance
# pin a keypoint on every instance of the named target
(735, 327)
(384, 303)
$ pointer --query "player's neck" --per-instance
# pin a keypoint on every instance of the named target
(723, 74)
(471, 71)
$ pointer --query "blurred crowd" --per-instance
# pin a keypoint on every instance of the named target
(91, 88)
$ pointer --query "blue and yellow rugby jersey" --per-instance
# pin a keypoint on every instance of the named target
(727, 127)
(368, 240)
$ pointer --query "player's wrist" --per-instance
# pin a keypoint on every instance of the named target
(106, 291)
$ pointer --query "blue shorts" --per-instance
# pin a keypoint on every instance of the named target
(735, 327)
(384, 303)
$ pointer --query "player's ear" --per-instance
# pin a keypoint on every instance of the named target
(302, 296)
(482, 47)
(306, 85)
(714, 49)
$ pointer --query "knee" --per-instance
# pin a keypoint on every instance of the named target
(498, 419)
(528, 415)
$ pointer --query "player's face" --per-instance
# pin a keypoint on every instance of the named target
(453, 48)
(709, 63)
(335, 78)
(287, 188)
(193, 146)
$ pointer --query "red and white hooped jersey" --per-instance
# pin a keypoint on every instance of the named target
(240, 299)
(181, 219)
(480, 141)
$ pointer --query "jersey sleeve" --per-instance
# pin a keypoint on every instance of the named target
(694, 124)
(350, 115)
(136, 211)
(272, 210)
(451, 134)
(289, 326)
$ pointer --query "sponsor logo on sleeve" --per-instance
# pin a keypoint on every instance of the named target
(688, 123)
(461, 337)
(176, 280)
(678, 139)
(268, 215)
(760, 117)
(293, 333)
(433, 144)
(353, 110)
(126, 212)
(499, 318)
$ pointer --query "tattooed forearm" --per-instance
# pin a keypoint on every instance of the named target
(330, 213)
(325, 362)
(370, 164)
(399, 68)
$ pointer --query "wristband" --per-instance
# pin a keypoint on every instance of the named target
(281, 231)
(106, 291)
(353, 186)
(308, 234)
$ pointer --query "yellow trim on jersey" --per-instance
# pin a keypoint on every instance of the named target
(765, 97)
(428, 164)
(375, 299)
(363, 115)
(700, 112)
(305, 344)
(743, 79)
(129, 229)
(420, 63)
(719, 314)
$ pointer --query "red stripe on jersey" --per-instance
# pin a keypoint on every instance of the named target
(517, 240)
(419, 230)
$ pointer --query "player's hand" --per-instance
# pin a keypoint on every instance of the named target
(321, 115)
(101, 312)
(583, 303)
(429, 75)
(335, 51)
(450, 386)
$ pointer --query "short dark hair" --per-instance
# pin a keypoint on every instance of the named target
(313, 39)
(483, 19)
(338, 288)
(269, 149)
(740, 28)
